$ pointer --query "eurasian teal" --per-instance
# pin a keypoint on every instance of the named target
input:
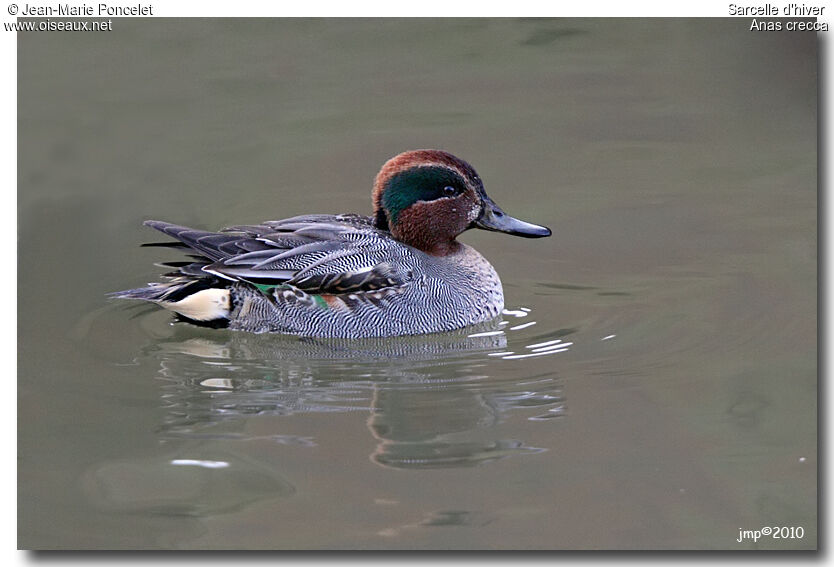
(398, 272)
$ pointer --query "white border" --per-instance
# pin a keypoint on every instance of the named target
(194, 8)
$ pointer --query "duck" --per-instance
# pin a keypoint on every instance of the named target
(400, 271)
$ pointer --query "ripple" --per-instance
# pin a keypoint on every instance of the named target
(199, 463)
(544, 344)
(516, 312)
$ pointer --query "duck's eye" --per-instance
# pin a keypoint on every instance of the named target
(449, 191)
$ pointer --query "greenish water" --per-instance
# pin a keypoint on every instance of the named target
(664, 398)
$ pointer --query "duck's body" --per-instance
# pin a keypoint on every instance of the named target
(400, 272)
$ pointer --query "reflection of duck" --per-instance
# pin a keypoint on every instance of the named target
(432, 428)
(473, 341)
(432, 404)
(399, 272)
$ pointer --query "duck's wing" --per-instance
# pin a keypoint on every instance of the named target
(314, 253)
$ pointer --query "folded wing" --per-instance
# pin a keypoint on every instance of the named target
(315, 253)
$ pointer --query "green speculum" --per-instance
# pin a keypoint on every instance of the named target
(416, 184)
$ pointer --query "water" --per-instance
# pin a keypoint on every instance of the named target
(665, 396)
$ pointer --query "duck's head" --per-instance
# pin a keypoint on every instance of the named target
(426, 198)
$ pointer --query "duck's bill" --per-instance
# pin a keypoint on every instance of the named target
(493, 218)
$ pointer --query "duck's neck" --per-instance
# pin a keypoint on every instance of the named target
(442, 248)
(426, 241)
(431, 229)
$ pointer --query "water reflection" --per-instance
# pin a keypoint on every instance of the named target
(430, 428)
(433, 400)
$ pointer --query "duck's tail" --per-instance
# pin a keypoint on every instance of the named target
(194, 299)
(191, 293)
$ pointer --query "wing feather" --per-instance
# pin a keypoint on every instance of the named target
(316, 253)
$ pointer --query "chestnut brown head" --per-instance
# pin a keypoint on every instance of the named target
(426, 198)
